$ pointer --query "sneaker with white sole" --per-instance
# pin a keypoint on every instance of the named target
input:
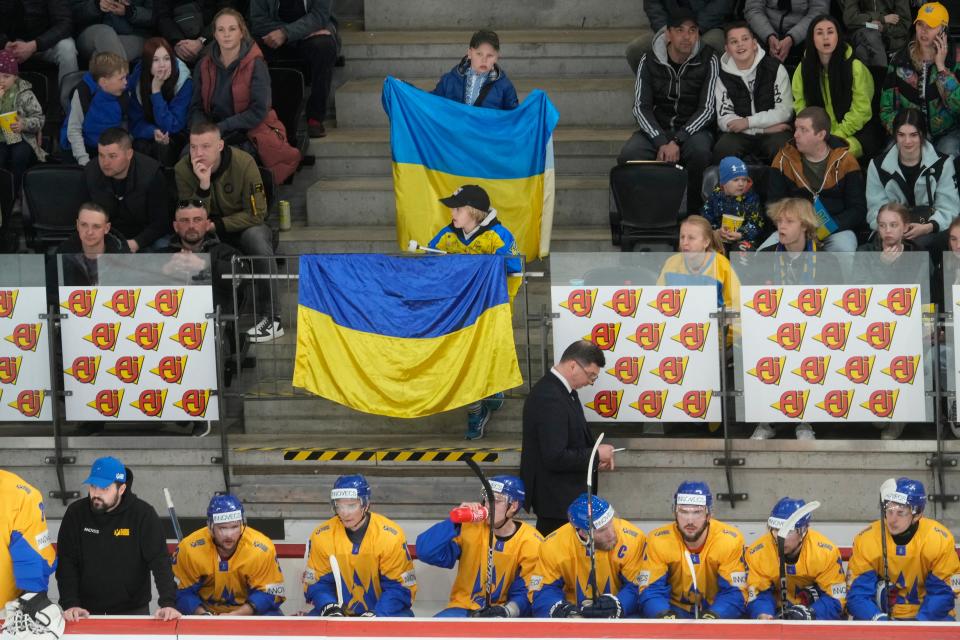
(265, 330)
(476, 422)
(495, 401)
(763, 432)
(892, 431)
(805, 432)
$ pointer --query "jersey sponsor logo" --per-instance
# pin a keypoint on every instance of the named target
(671, 369)
(107, 402)
(813, 369)
(789, 335)
(535, 583)
(127, 369)
(275, 589)
(147, 335)
(199, 542)
(879, 335)
(838, 591)
(855, 301)
(25, 336)
(648, 335)
(882, 402)
(80, 302)
(810, 302)
(624, 302)
(669, 302)
(695, 499)
(10, 369)
(580, 302)
(124, 302)
(662, 532)
(29, 402)
(643, 578)
(900, 301)
(170, 369)
(309, 576)
(834, 335)
(190, 335)
(769, 369)
(91, 530)
(629, 532)
(755, 549)
(84, 369)
(955, 582)
(390, 530)
(837, 403)
(651, 402)
(42, 540)
(903, 369)
(8, 302)
(766, 302)
(194, 402)
(858, 369)
(792, 403)
(738, 579)
(604, 335)
(693, 335)
(167, 302)
(122, 532)
(408, 578)
(104, 335)
(262, 547)
(627, 369)
(695, 403)
(151, 402)
(606, 403)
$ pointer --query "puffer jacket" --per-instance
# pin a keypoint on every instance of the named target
(767, 19)
(912, 84)
(500, 95)
(30, 114)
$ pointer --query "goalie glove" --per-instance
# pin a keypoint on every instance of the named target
(564, 609)
(32, 616)
(797, 612)
(332, 610)
(606, 606)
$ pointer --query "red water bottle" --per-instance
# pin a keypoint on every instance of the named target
(468, 513)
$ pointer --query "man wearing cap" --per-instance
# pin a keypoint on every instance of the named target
(782, 26)
(109, 543)
(674, 102)
(924, 76)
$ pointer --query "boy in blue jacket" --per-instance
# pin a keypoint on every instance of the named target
(477, 79)
(98, 103)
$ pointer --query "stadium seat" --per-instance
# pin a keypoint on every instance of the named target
(52, 196)
(69, 83)
(634, 214)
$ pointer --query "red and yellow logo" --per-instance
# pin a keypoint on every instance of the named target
(624, 302)
(170, 369)
(813, 369)
(900, 301)
(606, 403)
(10, 369)
(604, 335)
(26, 336)
(766, 302)
(80, 302)
(124, 302)
(147, 335)
(104, 335)
(834, 335)
(669, 302)
(792, 404)
(693, 335)
(837, 403)
(648, 335)
(671, 369)
(855, 301)
(882, 403)
(151, 402)
(29, 402)
(84, 369)
(789, 335)
(107, 402)
(769, 369)
(858, 369)
(810, 302)
(190, 336)
(8, 302)
(879, 335)
(651, 402)
(194, 402)
(167, 302)
(903, 369)
(127, 369)
(695, 403)
(627, 369)
(580, 302)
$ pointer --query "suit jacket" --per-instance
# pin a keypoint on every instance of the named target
(556, 448)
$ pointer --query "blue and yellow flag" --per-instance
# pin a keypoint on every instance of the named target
(404, 337)
(438, 145)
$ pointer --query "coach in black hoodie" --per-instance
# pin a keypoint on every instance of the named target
(108, 544)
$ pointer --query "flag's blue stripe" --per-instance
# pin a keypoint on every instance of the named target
(463, 140)
(403, 297)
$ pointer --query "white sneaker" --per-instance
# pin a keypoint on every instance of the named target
(892, 430)
(265, 330)
(805, 432)
(763, 432)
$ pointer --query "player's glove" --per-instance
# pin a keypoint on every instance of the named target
(493, 611)
(808, 595)
(797, 612)
(669, 614)
(709, 615)
(33, 615)
(606, 606)
(332, 610)
(564, 609)
(886, 596)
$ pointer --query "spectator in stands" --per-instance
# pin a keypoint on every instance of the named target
(118, 26)
(733, 209)
(98, 103)
(41, 29)
(877, 28)
(701, 262)
(674, 103)
(188, 24)
(819, 167)
(782, 25)
(304, 29)
(891, 222)
(132, 189)
(477, 79)
(160, 93)
(92, 239)
(712, 16)
(228, 183)
(108, 545)
(20, 138)
(754, 99)
(830, 77)
(924, 76)
(913, 173)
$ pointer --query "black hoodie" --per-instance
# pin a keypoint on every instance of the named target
(104, 560)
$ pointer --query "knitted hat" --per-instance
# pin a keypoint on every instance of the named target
(8, 64)
(732, 167)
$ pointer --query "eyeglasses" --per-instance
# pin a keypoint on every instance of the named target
(346, 508)
(499, 499)
(592, 377)
(898, 510)
(191, 204)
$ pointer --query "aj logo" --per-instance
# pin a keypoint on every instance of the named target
(813, 369)
(669, 302)
(8, 302)
(693, 335)
(900, 301)
(147, 335)
(671, 369)
(80, 302)
(604, 335)
(606, 403)
(810, 302)
(855, 301)
(624, 302)
(151, 402)
(104, 335)
(837, 403)
(769, 369)
(10, 369)
(170, 369)
(25, 336)
(167, 302)
(580, 302)
(190, 335)
(792, 404)
(651, 403)
(194, 402)
(882, 402)
(29, 402)
(127, 369)
(789, 335)
(107, 402)
(834, 335)
(648, 335)
(695, 403)
(903, 369)
(627, 369)
(124, 302)
(766, 302)
(858, 369)
(879, 335)
(84, 369)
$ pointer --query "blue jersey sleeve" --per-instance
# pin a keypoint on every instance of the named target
(765, 603)
(729, 603)
(518, 595)
(395, 599)
(436, 546)
(30, 569)
(861, 598)
(436, 239)
(938, 602)
(628, 597)
(827, 608)
(548, 595)
(263, 603)
(188, 599)
(321, 593)
(655, 598)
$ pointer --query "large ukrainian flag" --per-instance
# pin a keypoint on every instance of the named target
(404, 336)
(438, 145)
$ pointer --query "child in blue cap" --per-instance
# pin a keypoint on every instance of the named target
(743, 228)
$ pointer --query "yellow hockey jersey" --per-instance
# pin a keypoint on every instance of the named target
(924, 573)
(27, 558)
(514, 560)
(666, 583)
(251, 576)
(377, 575)
(818, 567)
(563, 569)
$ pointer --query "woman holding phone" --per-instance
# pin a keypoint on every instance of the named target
(923, 76)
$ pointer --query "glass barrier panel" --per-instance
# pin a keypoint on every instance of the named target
(948, 344)
(25, 347)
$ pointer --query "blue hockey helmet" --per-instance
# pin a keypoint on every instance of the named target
(577, 513)
(782, 511)
(510, 486)
(905, 491)
(693, 494)
(224, 508)
(353, 487)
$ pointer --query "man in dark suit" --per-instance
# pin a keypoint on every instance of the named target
(556, 439)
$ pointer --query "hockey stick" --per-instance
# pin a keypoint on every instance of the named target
(789, 525)
(491, 509)
(173, 515)
(693, 577)
(337, 580)
(889, 486)
(591, 543)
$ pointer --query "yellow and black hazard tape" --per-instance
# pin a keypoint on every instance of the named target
(424, 454)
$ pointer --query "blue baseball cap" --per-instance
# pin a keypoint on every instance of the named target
(105, 471)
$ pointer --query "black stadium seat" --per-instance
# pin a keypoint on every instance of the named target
(634, 214)
(52, 196)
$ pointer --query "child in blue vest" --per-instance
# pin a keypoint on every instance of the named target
(98, 103)
(477, 79)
